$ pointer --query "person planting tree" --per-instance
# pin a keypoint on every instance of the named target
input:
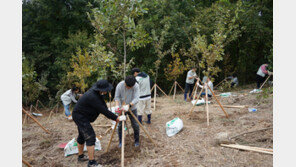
(126, 98)
(144, 105)
(261, 74)
(87, 109)
(191, 75)
(67, 97)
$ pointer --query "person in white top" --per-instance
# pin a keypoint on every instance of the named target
(209, 84)
(67, 97)
(191, 75)
(144, 105)
(261, 74)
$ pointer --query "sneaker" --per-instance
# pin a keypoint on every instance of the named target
(119, 145)
(70, 118)
(137, 144)
(84, 158)
(95, 164)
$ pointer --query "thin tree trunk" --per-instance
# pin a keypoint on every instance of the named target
(124, 61)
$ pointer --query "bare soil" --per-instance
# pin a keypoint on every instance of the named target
(195, 145)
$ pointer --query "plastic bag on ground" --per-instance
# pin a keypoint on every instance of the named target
(174, 126)
(256, 91)
(199, 102)
(71, 147)
(227, 94)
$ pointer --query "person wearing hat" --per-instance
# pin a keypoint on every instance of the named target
(87, 109)
(127, 97)
(144, 105)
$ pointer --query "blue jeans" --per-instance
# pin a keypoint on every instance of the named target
(135, 126)
(67, 110)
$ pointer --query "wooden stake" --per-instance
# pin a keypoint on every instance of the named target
(36, 121)
(49, 116)
(195, 101)
(36, 109)
(41, 104)
(250, 132)
(36, 105)
(111, 136)
(161, 90)
(229, 106)
(264, 82)
(103, 125)
(218, 102)
(154, 102)
(194, 91)
(207, 105)
(110, 100)
(175, 89)
(219, 83)
(171, 89)
(180, 86)
(152, 87)
(248, 148)
(122, 142)
(142, 127)
(26, 163)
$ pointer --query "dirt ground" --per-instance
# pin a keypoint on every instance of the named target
(195, 145)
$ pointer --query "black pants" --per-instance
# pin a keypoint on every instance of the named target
(135, 126)
(188, 87)
(86, 132)
(260, 80)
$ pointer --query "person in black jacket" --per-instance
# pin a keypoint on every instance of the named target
(87, 109)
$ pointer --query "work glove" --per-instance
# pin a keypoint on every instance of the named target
(122, 118)
(116, 108)
(125, 107)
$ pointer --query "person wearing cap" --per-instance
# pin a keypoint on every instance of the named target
(67, 98)
(261, 74)
(189, 84)
(144, 105)
(126, 98)
(87, 109)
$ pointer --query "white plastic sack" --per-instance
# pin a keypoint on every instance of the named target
(174, 126)
(256, 91)
(227, 94)
(199, 102)
(71, 147)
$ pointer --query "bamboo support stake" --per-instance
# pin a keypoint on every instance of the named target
(218, 102)
(152, 88)
(108, 130)
(41, 104)
(175, 89)
(111, 136)
(195, 101)
(171, 89)
(26, 116)
(161, 90)
(122, 142)
(180, 86)
(154, 101)
(248, 148)
(26, 163)
(264, 82)
(194, 91)
(142, 127)
(220, 83)
(36, 121)
(229, 106)
(103, 125)
(36, 109)
(110, 100)
(207, 106)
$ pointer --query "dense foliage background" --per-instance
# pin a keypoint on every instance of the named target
(68, 42)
